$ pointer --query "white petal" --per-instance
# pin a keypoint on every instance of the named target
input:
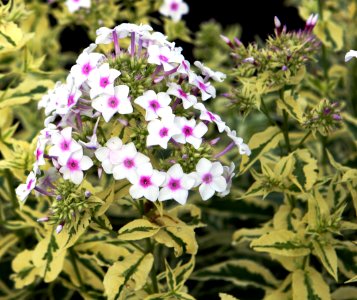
(350, 54)
(102, 153)
(216, 168)
(76, 177)
(206, 191)
(194, 141)
(158, 178)
(219, 184)
(136, 192)
(200, 129)
(85, 163)
(151, 193)
(181, 196)
(119, 172)
(165, 194)
(188, 182)
(203, 166)
(176, 171)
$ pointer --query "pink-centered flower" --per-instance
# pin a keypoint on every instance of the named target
(85, 65)
(101, 80)
(209, 177)
(146, 182)
(174, 9)
(109, 155)
(74, 5)
(207, 90)
(153, 103)
(228, 174)
(164, 56)
(66, 96)
(161, 131)
(209, 73)
(127, 162)
(238, 141)
(63, 144)
(190, 132)
(24, 189)
(110, 104)
(206, 115)
(176, 185)
(73, 167)
(187, 99)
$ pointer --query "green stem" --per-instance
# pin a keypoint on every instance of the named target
(266, 112)
(153, 276)
(303, 140)
(286, 130)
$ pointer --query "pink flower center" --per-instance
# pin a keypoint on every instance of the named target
(154, 105)
(163, 58)
(38, 154)
(70, 100)
(104, 81)
(72, 164)
(174, 184)
(145, 181)
(65, 145)
(29, 185)
(182, 93)
(187, 131)
(211, 116)
(163, 132)
(207, 178)
(202, 86)
(113, 102)
(129, 163)
(86, 68)
(174, 6)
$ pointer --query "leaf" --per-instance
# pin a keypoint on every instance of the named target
(170, 277)
(177, 30)
(248, 234)
(291, 105)
(259, 144)
(182, 273)
(25, 271)
(304, 174)
(138, 230)
(12, 37)
(241, 272)
(327, 255)
(176, 234)
(319, 212)
(309, 284)
(6, 242)
(224, 296)
(282, 242)
(287, 218)
(353, 279)
(128, 274)
(345, 293)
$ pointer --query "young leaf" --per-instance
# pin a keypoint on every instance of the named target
(224, 296)
(282, 242)
(138, 230)
(309, 284)
(327, 255)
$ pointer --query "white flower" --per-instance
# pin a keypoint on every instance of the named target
(207, 90)
(209, 177)
(153, 103)
(176, 185)
(187, 99)
(190, 132)
(63, 144)
(243, 148)
(73, 167)
(146, 182)
(161, 131)
(85, 64)
(110, 104)
(206, 115)
(24, 189)
(127, 161)
(125, 29)
(109, 155)
(228, 174)
(157, 38)
(163, 56)
(205, 71)
(66, 96)
(101, 80)
(74, 5)
(174, 9)
(350, 54)
(104, 35)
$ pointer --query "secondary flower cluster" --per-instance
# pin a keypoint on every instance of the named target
(136, 114)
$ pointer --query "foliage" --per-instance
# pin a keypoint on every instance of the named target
(286, 230)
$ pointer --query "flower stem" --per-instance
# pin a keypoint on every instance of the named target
(266, 112)
(303, 139)
(286, 130)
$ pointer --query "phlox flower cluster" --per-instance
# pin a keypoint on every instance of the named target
(135, 114)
